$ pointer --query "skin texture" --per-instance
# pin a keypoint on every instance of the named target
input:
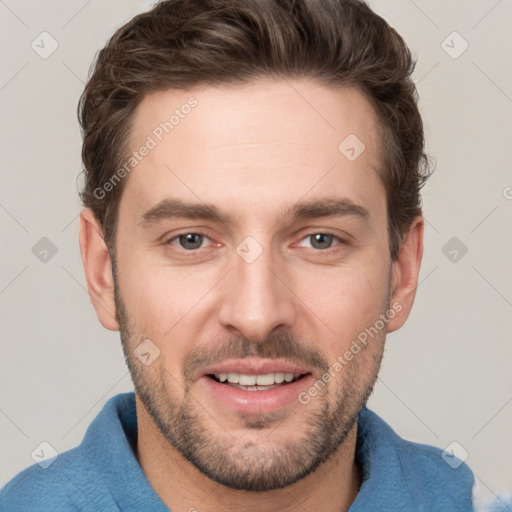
(252, 151)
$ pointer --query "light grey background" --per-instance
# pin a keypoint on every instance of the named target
(446, 375)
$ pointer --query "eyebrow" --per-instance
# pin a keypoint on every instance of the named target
(176, 208)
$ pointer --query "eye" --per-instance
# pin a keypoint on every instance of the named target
(322, 241)
(193, 241)
(188, 241)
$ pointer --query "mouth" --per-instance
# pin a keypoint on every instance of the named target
(254, 385)
(259, 382)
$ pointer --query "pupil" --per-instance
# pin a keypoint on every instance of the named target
(319, 239)
(191, 241)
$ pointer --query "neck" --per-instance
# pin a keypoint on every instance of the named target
(332, 487)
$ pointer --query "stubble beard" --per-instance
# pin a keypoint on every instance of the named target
(257, 465)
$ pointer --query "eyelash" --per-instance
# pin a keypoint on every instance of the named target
(192, 252)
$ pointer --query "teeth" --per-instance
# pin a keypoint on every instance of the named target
(267, 379)
(255, 388)
(246, 380)
(233, 378)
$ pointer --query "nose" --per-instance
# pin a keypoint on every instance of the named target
(258, 298)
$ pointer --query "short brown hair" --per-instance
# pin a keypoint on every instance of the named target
(184, 43)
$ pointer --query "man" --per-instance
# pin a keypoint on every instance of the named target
(252, 227)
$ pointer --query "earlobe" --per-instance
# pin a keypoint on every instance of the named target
(98, 269)
(405, 272)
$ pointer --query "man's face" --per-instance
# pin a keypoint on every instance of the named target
(258, 291)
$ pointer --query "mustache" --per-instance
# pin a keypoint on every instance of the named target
(278, 345)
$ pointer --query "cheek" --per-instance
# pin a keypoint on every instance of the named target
(157, 307)
(347, 298)
(167, 306)
(158, 297)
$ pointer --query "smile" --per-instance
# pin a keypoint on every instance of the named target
(261, 382)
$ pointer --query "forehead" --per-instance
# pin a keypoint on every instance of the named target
(255, 145)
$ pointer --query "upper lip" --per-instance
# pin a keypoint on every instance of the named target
(253, 366)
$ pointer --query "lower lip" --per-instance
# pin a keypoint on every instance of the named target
(256, 402)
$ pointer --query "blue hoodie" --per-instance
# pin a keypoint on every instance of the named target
(102, 473)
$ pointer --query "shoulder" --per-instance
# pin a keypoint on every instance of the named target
(75, 480)
(433, 477)
(444, 468)
(63, 485)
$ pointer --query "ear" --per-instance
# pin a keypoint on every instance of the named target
(98, 269)
(405, 271)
